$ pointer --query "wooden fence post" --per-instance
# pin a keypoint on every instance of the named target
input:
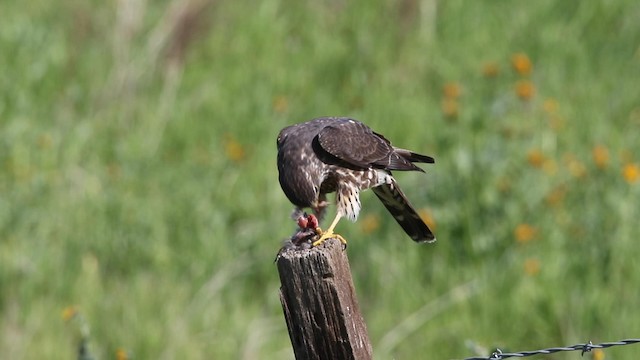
(320, 304)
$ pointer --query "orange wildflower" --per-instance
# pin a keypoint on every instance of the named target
(532, 267)
(598, 354)
(536, 158)
(556, 195)
(521, 64)
(525, 89)
(452, 90)
(490, 70)
(233, 149)
(631, 173)
(576, 168)
(572, 164)
(525, 233)
(122, 354)
(69, 313)
(370, 223)
(600, 156)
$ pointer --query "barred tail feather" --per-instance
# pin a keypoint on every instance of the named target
(396, 202)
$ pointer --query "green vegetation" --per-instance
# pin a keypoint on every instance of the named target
(138, 187)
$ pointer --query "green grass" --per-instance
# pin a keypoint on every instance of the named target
(138, 179)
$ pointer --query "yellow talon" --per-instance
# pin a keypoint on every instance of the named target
(327, 235)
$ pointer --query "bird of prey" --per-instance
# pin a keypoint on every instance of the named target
(343, 155)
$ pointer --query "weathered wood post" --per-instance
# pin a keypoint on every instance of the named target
(320, 304)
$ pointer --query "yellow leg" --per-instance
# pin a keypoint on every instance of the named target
(324, 235)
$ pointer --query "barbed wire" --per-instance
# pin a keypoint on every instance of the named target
(499, 355)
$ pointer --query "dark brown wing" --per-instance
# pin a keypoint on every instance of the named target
(399, 206)
(355, 143)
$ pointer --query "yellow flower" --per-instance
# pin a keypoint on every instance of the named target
(631, 173)
(577, 169)
(598, 354)
(426, 216)
(370, 223)
(536, 158)
(525, 233)
(532, 267)
(452, 90)
(521, 64)
(525, 89)
(600, 156)
(450, 108)
(280, 104)
(122, 354)
(490, 69)
(233, 149)
(69, 313)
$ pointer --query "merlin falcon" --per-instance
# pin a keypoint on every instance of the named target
(343, 155)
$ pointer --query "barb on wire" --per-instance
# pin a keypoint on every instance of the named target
(499, 355)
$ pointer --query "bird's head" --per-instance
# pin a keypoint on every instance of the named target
(298, 173)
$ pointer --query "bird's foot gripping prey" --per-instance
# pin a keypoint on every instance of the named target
(309, 233)
(329, 234)
(343, 155)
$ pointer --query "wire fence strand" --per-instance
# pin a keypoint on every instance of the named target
(499, 355)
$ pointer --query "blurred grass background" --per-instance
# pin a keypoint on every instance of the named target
(138, 187)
